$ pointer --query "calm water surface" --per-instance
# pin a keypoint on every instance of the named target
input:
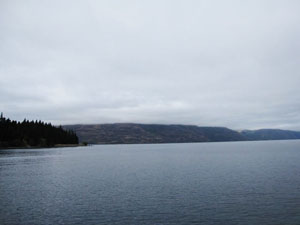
(202, 183)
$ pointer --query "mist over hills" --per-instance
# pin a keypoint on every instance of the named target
(130, 133)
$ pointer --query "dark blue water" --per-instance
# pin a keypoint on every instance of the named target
(206, 183)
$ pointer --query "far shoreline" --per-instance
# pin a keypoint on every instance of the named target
(154, 143)
(195, 142)
(41, 147)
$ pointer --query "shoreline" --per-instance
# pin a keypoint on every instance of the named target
(39, 147)
(153, 143)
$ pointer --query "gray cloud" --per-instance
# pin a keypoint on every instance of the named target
(214, 63)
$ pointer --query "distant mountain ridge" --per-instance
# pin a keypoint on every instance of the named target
(270, 134)
(131, 133)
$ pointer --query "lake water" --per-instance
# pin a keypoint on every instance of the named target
(199, 183)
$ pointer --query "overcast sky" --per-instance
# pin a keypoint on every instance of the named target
(209, 63)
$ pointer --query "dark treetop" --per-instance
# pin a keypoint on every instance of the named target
(33, 134)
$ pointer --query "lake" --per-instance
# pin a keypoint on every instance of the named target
(198, 183)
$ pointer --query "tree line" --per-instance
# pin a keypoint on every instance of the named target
(33, 134)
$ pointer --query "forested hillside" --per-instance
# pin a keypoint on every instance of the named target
(33, 134)
(128, 133)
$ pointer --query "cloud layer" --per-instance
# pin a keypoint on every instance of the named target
(212, 63)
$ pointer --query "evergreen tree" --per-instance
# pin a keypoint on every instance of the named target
(33, 134)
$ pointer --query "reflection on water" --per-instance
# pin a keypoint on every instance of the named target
(204, 183)
(27, 152)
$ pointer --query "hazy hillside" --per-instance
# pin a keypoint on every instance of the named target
(142, 133)
(128, 133)
(270, 134)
